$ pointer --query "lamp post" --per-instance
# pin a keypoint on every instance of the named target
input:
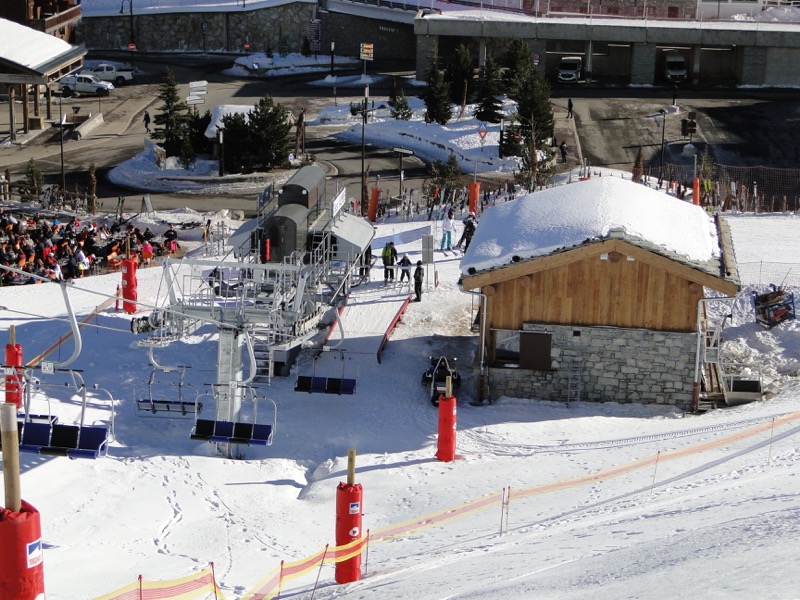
(661, 164)
(61, 120)
(122, 12)
(333, 45)
(364, 152)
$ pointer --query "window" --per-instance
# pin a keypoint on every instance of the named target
(524, 349)
(506, 348)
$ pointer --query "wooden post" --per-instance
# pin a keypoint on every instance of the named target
(12, 334)
(351, 466)
(10, 439)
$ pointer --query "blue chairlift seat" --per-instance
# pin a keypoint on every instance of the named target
(73, 441)
(340, 386)
(173, 407)
(348, 386)
(303, 384)
(19, 433)
(229, 432)
(318, 385)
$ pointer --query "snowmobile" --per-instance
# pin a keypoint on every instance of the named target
(435, 378)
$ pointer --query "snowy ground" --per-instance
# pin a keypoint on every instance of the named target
(643, 501)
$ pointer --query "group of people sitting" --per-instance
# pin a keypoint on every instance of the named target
(36, 249)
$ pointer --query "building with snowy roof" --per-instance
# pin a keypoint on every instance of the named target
(591, 291)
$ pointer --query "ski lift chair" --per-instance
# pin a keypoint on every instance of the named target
(251, 433)
(168, 408)
(315, 384)
(46, 436)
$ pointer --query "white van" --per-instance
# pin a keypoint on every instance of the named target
(675, 67)
(569, 69)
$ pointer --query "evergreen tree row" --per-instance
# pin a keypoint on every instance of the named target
(257, 141)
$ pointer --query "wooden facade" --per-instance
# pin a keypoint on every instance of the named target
(612, 283)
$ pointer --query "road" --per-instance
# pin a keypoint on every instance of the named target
(742, 127)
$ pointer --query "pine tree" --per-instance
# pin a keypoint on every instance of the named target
(169, 122)
(33, 177)
(638, 167)
(187, 153)
(534, 108)
(437, 95)
(459, 75)
(445, 175)
(91, 191)
(237, 143)
(488, 90)
(198, 124)
(270, 133)
(518, 62)
(402, 111)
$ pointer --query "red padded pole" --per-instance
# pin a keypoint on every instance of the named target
(446, 450)
(349, 509)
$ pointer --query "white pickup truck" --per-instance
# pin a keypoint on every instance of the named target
(84, 84)
(106, 72)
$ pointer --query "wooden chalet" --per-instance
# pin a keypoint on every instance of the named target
(599, 313)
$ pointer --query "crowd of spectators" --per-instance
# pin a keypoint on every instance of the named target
(58, 250)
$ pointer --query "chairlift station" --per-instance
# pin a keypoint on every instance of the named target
(285, 275)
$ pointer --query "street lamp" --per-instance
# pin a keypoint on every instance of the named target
(61, 119)
(364, 152)
(122, 12)
(661, 164)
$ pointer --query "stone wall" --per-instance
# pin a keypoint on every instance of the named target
(619, 365)
(280, 29)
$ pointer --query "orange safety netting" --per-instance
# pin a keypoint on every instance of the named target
(186, 588)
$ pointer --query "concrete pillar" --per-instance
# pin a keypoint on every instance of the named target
(588, 69)
(481, 52)
(427, 46)
(694, 66)
(643, 64)
(752, 65)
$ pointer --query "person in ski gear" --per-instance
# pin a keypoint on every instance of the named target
(563, 148)
(389, 257)
(469, 231)
(447, 231)
(366, 263)
(419, 274)
(171, 240)
(405, 268)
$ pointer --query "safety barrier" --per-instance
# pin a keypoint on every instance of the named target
(391, 327)
(270, 586)
(186, 588)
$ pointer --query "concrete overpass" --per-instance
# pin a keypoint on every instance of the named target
(624, 51)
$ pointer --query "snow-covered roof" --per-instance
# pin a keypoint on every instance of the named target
(27, 47)
(566, 216)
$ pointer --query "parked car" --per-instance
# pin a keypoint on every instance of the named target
(107, 72)
(569, 69)
(84, 84)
